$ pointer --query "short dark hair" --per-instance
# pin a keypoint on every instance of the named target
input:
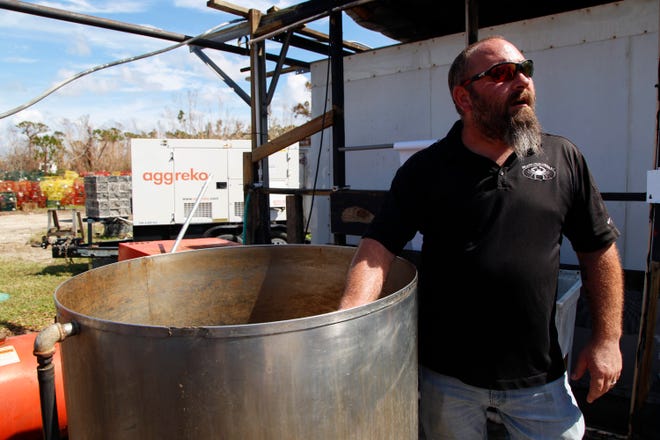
(458, 70)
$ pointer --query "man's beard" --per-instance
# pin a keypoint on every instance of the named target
(520, 130)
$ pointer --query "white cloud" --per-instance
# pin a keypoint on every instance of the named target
(24, 25)
(10, 19)
(79, 45)
(296, 90)
(120, 44)
(261, 5)
(291, 91)
(154, 75)
(192, 4)
(105, 7)
(42, 32)
(135, 94)
(27, 115)
(19, 60)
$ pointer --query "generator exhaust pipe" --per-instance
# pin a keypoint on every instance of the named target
(44, 350)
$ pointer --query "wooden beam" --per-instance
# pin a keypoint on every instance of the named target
(248, 178)
(248, 172)
(295, 135)
(224, 6)
(356, 47)
(298, 14)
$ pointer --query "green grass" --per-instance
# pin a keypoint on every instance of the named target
(30, 286)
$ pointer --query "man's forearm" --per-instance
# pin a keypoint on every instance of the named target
(602, 279)
(367, 274)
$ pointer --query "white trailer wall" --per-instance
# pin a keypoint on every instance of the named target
(595, 76)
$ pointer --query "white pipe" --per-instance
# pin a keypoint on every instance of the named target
(184, 228)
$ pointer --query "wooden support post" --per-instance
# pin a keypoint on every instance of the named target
(295, 228)
(649, 311)
(53, 221)
(77, 226)
(646, 340)
(644, 354)
(248, 226)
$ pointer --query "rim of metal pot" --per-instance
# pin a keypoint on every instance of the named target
(237, 330)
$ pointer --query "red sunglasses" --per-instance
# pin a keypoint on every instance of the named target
(505, 71)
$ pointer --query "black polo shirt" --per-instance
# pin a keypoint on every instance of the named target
(490, 254)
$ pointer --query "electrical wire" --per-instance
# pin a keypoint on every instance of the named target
(318, 157)
(246, 206)
(167, 49)
(111, 64)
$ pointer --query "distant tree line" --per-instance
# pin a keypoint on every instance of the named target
(80, 147)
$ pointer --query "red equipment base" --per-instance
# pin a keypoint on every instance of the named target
(20, 407)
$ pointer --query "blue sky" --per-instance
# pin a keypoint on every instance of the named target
(37, 53)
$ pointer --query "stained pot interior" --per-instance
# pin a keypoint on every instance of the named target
(220, 286)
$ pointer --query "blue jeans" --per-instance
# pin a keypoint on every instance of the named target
(450, 409)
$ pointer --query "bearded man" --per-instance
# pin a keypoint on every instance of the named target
(493, 201)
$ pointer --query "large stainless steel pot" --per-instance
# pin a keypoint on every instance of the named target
(238, 343)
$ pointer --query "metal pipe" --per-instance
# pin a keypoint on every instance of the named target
(44, 350)
(278, 68)
(226, 78)
(60, 14)
(73, 17)
(367, 147)
(44, 344)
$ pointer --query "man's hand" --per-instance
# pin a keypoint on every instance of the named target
(603, 360)
(602, 281)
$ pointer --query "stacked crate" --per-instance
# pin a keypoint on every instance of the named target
(7, 201)
(75, 196)
(28, 193)
(107, 196)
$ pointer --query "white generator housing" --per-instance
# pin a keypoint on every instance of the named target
(169, 174)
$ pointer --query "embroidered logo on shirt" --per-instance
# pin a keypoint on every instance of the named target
(539, 171)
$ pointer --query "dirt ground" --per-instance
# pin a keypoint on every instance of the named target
(20, 235)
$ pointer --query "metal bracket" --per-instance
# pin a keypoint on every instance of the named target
(653, 186)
